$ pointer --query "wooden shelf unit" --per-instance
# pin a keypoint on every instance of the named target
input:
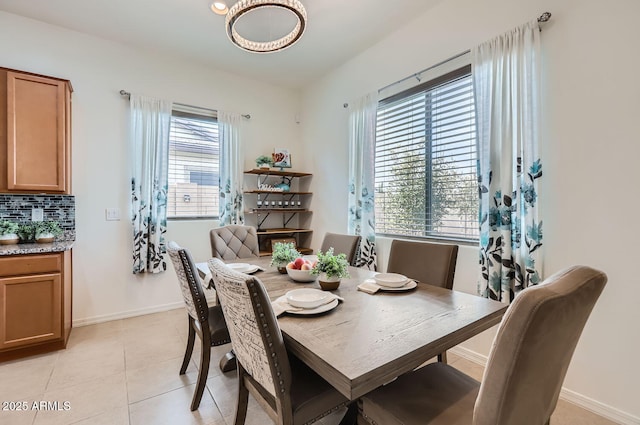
(260, 214)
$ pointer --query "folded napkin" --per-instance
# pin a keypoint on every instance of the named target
(369, 286)
(281, 305)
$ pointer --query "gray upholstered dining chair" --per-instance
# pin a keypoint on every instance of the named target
(234, 241)
(342, 244)
(289, 391)
(527, 364)
(426, 262)
(206, 322)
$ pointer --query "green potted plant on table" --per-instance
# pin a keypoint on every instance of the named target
(264, 161)
(330, 269)
(8, 232)
(283, 253)
(46, 231)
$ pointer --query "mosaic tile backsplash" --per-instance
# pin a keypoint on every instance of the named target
(61, 208)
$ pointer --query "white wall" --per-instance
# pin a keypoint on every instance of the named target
(591, 104)
(104, 286)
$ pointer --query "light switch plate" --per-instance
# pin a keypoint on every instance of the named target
(112, 214)
(37, 214)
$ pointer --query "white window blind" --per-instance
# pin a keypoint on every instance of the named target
(425, 165)
(194, 165)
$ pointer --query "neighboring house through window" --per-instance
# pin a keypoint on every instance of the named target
(194, 165)
(425, 162)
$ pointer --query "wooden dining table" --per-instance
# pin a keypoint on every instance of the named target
(370, 339)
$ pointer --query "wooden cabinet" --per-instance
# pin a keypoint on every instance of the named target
(35, 137)
(35, 303)
(279, 215)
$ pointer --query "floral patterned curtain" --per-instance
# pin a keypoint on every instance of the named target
(362, 142)
(231, 169)
(506, 78)
(150, 123)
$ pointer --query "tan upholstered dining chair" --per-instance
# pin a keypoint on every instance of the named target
(425, 262)
(524, 374)
(234, 241)
(289, 391)
(206, 322)
(342, 244)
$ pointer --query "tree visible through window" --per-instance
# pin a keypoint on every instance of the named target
(194, 165)
(426, 184)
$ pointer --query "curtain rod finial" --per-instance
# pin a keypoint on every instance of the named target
(544, 17)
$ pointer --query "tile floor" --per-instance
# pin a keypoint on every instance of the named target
(126, 372)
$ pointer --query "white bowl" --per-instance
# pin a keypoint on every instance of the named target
(301, 275)
(390, 280)
(307, 297)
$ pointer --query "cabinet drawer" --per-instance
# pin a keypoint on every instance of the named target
(30, 264)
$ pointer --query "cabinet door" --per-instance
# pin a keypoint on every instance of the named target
(36, 133)
(30, 309)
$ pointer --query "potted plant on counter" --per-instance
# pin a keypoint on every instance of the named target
(330, 269)
(27, 232)
(8, 232)
(283, 253)
(46, 231)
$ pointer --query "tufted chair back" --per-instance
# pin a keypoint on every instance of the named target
(234, 241)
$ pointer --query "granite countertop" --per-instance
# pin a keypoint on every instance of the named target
(35, 248)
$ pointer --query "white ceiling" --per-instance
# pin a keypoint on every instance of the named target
(337, 30)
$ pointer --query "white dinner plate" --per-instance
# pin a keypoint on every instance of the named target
(243, 267)
(307, 298)
(324, 307)
(407, 286)
(391, 280)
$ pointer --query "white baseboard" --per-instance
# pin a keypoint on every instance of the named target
(573, 397)
(126, 314)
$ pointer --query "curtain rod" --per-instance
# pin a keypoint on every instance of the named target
(541, 20)
(126, 93)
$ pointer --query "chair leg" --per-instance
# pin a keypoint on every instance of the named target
(228, 362)
(202, 374)
(442, 357)
(187, 354)
(350, 418)
(243, 399)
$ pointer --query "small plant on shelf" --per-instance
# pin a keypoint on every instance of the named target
(283, 253)
(330, 266)
(264, 161)
(9, 232)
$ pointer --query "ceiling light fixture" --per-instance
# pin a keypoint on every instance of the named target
(243, 6)
(219, 7)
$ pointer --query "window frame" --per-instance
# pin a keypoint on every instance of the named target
(450, 76)
(205, 115)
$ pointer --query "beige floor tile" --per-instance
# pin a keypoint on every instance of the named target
(472, 369)
(73, 368)
(158, 378)
(27, 377)
(255, 416)
(569, 414)
(173, 408)
(21, 412)
(119, 416)
(85, 400)
(158, 343)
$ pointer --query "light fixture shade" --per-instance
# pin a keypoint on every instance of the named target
(219, 7)
(244, 6)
